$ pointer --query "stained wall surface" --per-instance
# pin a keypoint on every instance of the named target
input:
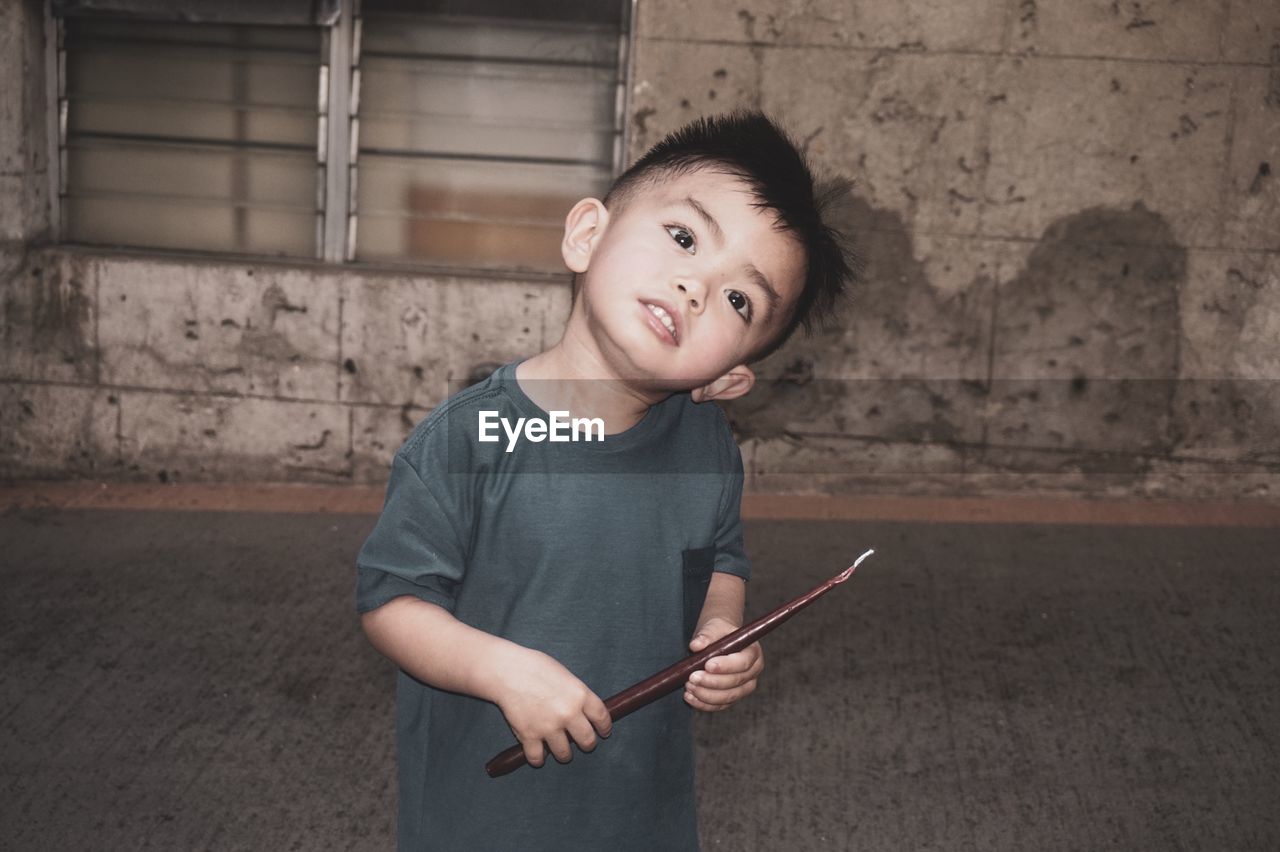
(1068, 212)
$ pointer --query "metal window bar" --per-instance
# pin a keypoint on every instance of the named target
(353, 131)
(53, 113)
(333, 244)
(626, 73)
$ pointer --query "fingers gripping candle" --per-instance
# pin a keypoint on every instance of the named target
(671, 678)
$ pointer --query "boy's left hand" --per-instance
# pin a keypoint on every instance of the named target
(727, 678)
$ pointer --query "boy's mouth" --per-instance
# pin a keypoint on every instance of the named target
(662, 321)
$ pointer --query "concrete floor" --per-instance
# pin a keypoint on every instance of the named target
(195, 680)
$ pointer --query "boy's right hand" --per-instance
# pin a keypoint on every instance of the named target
(543, 702)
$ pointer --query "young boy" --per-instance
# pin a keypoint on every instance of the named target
(519, 573)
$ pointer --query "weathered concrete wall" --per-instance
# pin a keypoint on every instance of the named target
(1069, 214)
(24, 173)
(1071, 227)
(120, 366)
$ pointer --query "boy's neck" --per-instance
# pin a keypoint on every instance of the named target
(571, 376)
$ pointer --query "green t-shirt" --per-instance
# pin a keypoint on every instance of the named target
(597, 553)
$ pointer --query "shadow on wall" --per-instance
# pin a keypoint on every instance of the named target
(1078, 352)
(46, 318)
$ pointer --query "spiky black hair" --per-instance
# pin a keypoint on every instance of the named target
(750, 147)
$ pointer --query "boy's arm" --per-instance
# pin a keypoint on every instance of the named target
(730, 677)
(540, 698)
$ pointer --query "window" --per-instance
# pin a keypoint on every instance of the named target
(480, 123)
(432, 132)
(195, 136)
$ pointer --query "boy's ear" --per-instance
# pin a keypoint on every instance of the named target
(582, 230)
(731, 385)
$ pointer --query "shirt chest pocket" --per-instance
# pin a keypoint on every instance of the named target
(698, 565)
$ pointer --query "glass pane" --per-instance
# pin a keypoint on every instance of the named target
(431, 92)
(80, 31)
(488, 215)
(477, 245)
(192, 120)
(475, 138)
(559, 11)
(269, 12)
(222, 76)
(206, 173)
(161, 223)
(411, 35)
(197, 136)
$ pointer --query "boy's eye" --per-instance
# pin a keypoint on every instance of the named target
(741, 304)
(683, 238)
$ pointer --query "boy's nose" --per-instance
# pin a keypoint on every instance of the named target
(694, 291)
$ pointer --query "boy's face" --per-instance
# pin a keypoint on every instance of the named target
(686, 280)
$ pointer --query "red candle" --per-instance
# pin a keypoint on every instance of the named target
(671, 678)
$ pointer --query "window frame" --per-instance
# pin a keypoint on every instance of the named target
(337, 148)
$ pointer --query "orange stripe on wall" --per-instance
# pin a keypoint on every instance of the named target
(200, 497)
(365, 500)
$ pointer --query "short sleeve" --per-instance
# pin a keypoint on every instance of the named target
(418, 547)
(731, 557)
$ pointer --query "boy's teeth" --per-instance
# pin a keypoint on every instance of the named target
(665, 318)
